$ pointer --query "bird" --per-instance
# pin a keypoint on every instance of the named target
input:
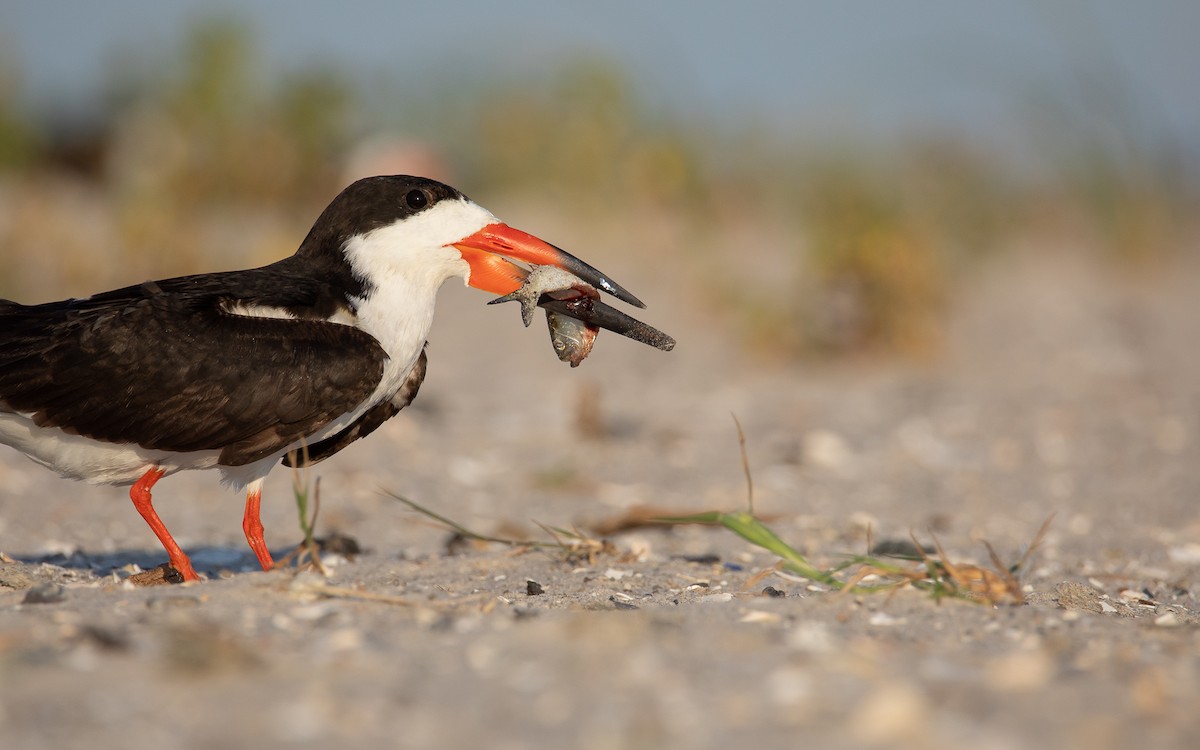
(240, 371)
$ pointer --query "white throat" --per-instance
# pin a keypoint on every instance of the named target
(404, 265)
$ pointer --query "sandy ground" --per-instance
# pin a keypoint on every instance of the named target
(1062, 390)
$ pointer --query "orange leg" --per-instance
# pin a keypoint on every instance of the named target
(140, 494)
(253, 527)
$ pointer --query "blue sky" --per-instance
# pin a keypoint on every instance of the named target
(877, 68)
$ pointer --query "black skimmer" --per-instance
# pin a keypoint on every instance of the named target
(242, 369)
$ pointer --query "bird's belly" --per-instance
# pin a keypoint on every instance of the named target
(93, 461)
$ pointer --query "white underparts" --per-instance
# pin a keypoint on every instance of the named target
(93, 461)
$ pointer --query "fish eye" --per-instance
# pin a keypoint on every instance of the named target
(416, 199)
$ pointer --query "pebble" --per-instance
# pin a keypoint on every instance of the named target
(826, 449)
(1185, 554)
(920, 439)
(345, 639)
(1169, 620)
(891, 713)
(315, 612)
(306, 585)
(757, 615)
(1072, 595)
(619, 604)
(1023, 671)
(790, 686)
(812, 638)
(639, 547)
(45, 593)
(14, 577)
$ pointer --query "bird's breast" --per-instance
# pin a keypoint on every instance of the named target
(400, 322)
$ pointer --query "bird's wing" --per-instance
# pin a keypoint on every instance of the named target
(364, 425)
(175, 371)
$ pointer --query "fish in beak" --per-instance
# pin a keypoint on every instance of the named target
(565, 286)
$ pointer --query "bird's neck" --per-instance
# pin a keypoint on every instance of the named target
(399, 316)
(402, 275)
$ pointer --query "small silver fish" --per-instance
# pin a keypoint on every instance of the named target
(572, 339)
(575, 314)
(546, 280)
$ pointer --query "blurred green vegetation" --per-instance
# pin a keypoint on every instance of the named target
(803, 247)
(18, 139)
(204, 129)
(587, 135)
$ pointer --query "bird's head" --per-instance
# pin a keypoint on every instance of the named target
(426, 232)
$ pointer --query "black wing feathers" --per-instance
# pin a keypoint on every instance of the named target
(165, 366)
(364, 425)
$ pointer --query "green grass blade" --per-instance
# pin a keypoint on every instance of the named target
(757, 533)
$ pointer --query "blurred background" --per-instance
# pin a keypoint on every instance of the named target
(821, 178)
(939, 258)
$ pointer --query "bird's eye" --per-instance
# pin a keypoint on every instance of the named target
(416, 200)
